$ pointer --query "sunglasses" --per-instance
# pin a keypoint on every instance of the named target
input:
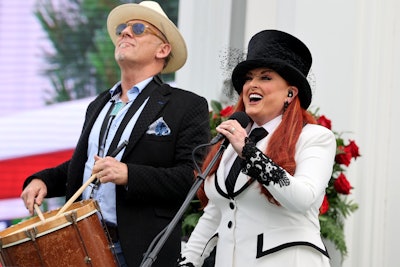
(139, 29)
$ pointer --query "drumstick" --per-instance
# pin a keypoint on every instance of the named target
(76, 195)
(87, 183)
(39, 212)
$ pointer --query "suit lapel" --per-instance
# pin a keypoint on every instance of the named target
(220, 177)
(158, 99)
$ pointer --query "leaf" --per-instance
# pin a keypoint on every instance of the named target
(333, 230)
(216, 107)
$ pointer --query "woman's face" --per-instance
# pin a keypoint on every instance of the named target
(264, 94)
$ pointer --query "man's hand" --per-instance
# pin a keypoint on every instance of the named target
(109, 169)
(35, 192)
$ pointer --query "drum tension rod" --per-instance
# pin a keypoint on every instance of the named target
(32, 233)
(104, 225)
(72, 218)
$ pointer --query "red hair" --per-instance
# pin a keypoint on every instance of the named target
(281, 147)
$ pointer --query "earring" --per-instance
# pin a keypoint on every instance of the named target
(290, 93)
(285, 106)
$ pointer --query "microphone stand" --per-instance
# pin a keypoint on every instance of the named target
(152, 252)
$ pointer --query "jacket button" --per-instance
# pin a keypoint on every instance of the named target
(231, 205)
(229, 224)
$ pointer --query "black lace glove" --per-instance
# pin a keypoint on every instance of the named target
(261, 167)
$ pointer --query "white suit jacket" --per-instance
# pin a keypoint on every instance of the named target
(247, 228)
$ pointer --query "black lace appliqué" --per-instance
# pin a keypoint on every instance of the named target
(262, 168)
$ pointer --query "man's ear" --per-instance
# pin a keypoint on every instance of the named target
(163, 51)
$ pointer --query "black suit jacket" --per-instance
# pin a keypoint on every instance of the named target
(160, 169)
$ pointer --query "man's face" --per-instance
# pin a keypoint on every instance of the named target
(138, 42)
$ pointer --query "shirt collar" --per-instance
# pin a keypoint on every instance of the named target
(269, 126)
(116, 89)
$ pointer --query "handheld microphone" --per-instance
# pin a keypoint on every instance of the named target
(243, 120)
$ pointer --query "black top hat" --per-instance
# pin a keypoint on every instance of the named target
(281, 52)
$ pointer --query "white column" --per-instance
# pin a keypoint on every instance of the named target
(205, 25)
(374, 233)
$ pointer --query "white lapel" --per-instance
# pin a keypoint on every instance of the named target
(221, 174)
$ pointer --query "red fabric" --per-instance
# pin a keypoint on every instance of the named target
(13, 172)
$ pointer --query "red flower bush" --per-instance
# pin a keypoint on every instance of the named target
(324, 121)
(226, 112)
(343, 157)
(352, 148)
(342, 185)
(325, 206)
(336, 207)
(218, 115)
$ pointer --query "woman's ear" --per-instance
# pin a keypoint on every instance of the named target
(292, 92)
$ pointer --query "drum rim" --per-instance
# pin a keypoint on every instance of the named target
(83, 209)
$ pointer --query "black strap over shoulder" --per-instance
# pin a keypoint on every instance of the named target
(132, 110)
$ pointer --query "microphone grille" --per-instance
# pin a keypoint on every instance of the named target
(241, 117)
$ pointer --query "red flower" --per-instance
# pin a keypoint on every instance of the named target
(226, 112)
(324, 121)
(344, 157)
(342, 185)
(324, 206)
(352, 148)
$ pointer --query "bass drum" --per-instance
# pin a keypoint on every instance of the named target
(73, 238)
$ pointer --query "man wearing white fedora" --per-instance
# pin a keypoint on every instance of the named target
(141, 187)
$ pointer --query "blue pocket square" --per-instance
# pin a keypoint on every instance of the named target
(159, 128)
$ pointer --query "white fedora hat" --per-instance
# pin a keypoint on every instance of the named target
(151, 12)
